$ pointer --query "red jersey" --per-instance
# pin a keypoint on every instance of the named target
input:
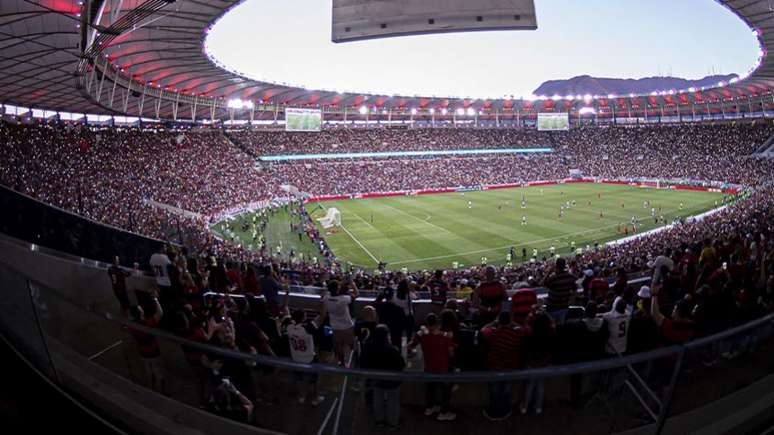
(598, 287)
(522, 302)
(491, 296)
(676, 331)
(147, 344)
(435, 350)
(505, 351)
(438, 289)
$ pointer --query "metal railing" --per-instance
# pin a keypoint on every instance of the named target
(54, 311)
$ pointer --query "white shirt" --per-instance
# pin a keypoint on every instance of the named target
(618, 327)
(661, 261)
(404, 303)
(159, 263)
(301, 344)
(338, 311)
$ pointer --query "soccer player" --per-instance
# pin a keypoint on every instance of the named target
(523, 204)
(470, 204)
(552, 250)
(681, 206)
(523, 220)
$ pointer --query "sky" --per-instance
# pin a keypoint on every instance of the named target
(289, 41)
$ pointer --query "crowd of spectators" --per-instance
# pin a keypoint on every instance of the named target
(708, 274)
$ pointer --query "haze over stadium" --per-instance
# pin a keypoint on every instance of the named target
(355, 217)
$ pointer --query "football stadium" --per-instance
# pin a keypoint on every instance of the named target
(361, 217)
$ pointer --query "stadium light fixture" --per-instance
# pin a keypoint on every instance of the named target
(444, 111)
(460, 111)
(471, 111)
(587, 98)
(432, 110)
(413, 110)
(691, 89)
(363, 110)
(569, 97)
(587, 110)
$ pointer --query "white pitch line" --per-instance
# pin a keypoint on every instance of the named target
(360, 244)
(481, 251)
(419, 220)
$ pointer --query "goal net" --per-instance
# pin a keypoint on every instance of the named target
(331, 219)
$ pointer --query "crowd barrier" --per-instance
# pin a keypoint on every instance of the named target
(665, 390)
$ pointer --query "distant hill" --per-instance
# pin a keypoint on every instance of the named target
(582, 85)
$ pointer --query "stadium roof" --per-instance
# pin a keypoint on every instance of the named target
(146, 58)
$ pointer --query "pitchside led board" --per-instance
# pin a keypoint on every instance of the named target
(553, 121)
(303, 120)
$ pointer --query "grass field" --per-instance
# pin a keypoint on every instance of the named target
(435, 231)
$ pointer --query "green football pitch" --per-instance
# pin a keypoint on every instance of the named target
(435, 231)
(444, 230)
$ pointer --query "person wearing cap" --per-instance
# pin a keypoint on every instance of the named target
(643, 332)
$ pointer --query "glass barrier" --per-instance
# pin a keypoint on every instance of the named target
(573, 382)
(22, 217)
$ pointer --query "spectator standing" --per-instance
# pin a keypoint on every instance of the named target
(539, 345)
(118, 281)
(561, 286)
(504, 340)
(439, 289)
(522, 303)
(489, 296)
(301, 335)
(148, 345)
(437, 350)
(617, 323)
(337, 303)
(379, 354)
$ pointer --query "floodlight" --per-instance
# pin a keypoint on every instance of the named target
(460, 111)
(363, 110)
(432, 110)
(413, 110)
(444, 111)
(471, 111)
(587, 110)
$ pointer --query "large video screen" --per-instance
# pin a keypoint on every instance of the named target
(303, 119)
(553, 121)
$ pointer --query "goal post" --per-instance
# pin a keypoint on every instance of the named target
(331, 219)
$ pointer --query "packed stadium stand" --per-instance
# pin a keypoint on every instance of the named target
(120, 294)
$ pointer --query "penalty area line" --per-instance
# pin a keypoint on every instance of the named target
(354, 239)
